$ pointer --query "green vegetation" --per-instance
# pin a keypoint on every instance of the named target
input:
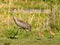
(38, 22)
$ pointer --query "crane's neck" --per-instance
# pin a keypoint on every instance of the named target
(15, 19)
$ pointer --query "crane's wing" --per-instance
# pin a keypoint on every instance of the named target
(23, 24)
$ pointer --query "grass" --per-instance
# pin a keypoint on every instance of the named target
(37, 20)
(30, 41)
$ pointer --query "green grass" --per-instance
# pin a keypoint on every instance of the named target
(37, 20)
(30, 41)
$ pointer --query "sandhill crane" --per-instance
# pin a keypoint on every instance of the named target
(21, 25)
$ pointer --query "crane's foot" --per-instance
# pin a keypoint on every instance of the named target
(12, 37)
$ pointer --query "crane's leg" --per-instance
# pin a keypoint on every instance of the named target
(26, 33)
(19, 28)
(17, 31)
(15, 34)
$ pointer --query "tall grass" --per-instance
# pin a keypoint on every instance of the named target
(37, 20)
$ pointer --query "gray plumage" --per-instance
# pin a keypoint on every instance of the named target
(22, 24)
